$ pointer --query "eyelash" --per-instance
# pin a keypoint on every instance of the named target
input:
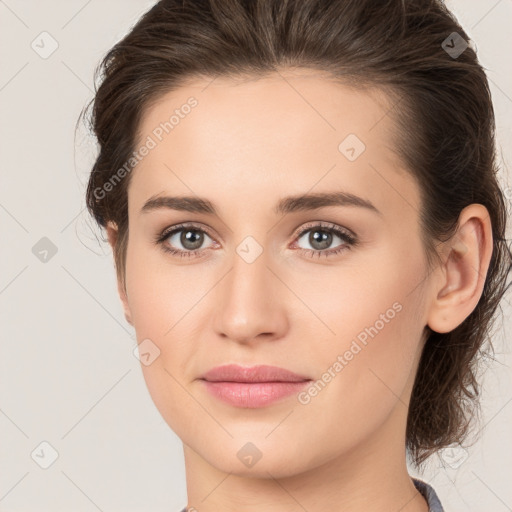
(349, 239)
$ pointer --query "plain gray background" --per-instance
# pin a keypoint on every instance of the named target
(68, 374)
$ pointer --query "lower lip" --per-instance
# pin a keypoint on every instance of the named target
(253, 395)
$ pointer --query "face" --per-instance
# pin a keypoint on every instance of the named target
(331, 290)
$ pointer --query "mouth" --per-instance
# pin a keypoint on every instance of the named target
(252, 387)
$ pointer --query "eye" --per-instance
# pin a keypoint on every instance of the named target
(192, 237)
(189, 236)
(321, 237)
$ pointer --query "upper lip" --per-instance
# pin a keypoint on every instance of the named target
(260, 373)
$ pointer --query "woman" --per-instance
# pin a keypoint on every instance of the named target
(308, 233)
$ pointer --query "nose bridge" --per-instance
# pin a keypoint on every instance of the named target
(249, 301)
(249, 270)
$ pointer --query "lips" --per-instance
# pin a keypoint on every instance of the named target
(253, 374)
(253, 387)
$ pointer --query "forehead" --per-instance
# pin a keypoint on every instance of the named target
(303, 102)
(292, 130)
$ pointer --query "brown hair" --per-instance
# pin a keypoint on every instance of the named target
(445, 136)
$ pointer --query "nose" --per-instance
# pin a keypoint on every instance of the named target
(251, 303)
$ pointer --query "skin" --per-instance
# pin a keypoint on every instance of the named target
(246, 145)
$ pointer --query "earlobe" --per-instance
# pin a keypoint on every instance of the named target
(124, 300)
(112, 235)
(465, 265)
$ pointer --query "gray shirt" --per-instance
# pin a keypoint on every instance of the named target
(434, 505)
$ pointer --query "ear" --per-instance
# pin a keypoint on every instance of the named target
(466, 259)
(112, 234)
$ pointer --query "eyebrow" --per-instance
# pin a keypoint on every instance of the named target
(291, 204)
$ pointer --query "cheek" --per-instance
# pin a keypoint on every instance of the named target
(162, 299)
(377, 299)
(378, 329)
(159, 293)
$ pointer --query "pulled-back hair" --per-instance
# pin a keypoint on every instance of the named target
(445, 136)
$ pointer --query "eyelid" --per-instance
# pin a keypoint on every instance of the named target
(327, 225)
(178, 227)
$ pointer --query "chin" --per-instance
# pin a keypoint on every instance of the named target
(255, 459)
